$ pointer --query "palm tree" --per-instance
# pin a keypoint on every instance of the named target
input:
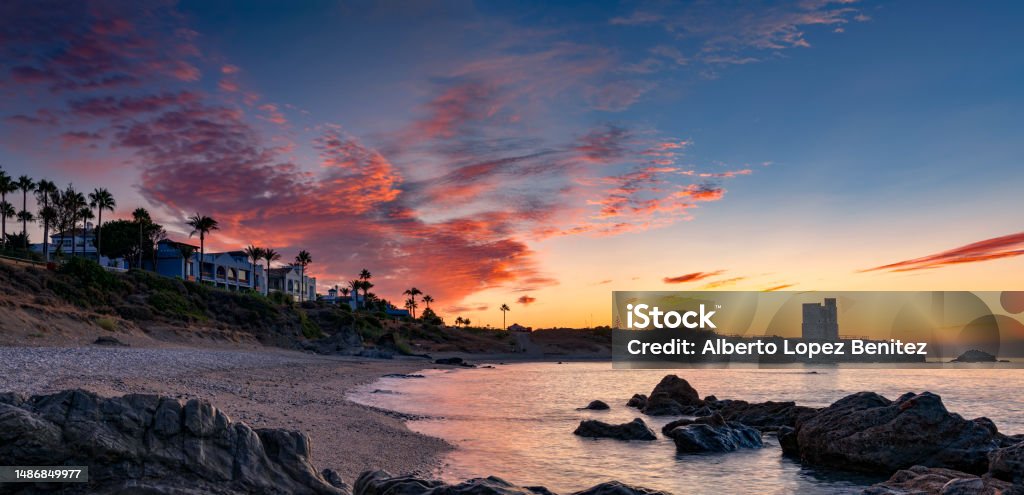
(270, 256)
(26, 184)
(141, 216)
(6, 186)
(412, 293)
(365, 274)
(202, 225)
(465, 321)
(344, 291)
(45, 190)
(427, 300)
(101, 199)
(85, 214)
(255, 254)
(303, 259)
(6, 211)
(504, 309)
(187, 252)
(366, 285)
(410, 304)
(458, 321)
(74, 203)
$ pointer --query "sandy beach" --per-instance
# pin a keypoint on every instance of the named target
(266, 388)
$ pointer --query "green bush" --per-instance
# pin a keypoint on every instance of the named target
(310, 330)
(108, 324)
(281, 298)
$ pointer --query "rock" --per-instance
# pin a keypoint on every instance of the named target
(108, 340)
(662, 405)
(382, 483)
(713, 434)
(788, 441)
(617, 488)
(454, 361)
(401, 375)
(345, 342)
(634, 430)
(331, 476)
(1007, 463)
(679, 390)
(595, 405)
(765, 416)
(867, 432)
(151, 444)
(921, 480)
(638, 401)
(975, 356)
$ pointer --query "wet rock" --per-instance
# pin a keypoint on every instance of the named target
(713, 434)
(788, 442)
(151, 444)
(765, 416)
(867, 432)
(1007, 463)
(673, 396)
(634, 430)
(595, 405)
(454, 361)
(638, 401)
(662, 405)
(921, 480)
(401, 375)
(382, 483)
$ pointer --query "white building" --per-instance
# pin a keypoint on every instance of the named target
(232, 270)
(81, 242)
(290, 280)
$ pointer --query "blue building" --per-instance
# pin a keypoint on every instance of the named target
(231, 270)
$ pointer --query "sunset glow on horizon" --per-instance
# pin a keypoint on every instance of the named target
(543, 156)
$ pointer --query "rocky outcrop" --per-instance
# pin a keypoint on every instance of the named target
(382, 483)
(634, 430)
(109, 341)
(151, 444)
(765, 416)
(921, 480)
(672, 396)
(595, 405)
(638, 401)
(974, 356)
(868, 432)
(344, 341)
(454, 361)
(711, 434)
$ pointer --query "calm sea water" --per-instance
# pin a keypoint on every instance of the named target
(516, 421)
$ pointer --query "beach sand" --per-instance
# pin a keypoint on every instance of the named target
(266, 388)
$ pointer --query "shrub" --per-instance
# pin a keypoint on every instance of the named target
(281, 298)
(108, 324)
(310, 330)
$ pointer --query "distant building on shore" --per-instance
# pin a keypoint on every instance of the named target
(821, 321)
(230, 270)
(83, 243)
(289, 280)
(515, 327)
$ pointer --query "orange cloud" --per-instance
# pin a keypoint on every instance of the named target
(691, 277)
(526, 300)
(989, 249)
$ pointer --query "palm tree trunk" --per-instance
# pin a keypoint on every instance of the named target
(24, 220)
(99, 233)
(202, 256)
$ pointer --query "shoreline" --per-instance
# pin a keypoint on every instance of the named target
(265, 388)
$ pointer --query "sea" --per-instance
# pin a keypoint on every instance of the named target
(515, 421)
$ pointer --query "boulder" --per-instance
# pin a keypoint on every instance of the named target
(638, 401)
(151, 444)
(714, 434)
(662, 405)
(679, 390)
(344, 341)
(595, 405)
(382, 483)
(921, 480)
(867, 432)
(454, 361)
(765, 416)
(634, 430)
(1007, 463)
(109, 341)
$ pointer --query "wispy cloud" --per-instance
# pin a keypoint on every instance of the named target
(692, 277)
(989, 249)
(526, 300)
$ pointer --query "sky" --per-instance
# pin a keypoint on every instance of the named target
(544, 154)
